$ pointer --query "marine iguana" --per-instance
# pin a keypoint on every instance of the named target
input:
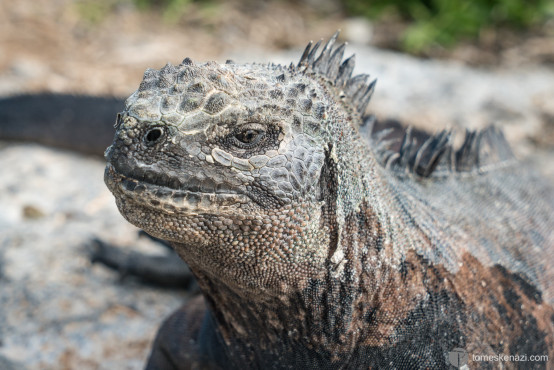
(316, 241)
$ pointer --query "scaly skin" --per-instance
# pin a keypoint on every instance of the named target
(315, 246)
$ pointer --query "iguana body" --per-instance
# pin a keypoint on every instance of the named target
(318, 245)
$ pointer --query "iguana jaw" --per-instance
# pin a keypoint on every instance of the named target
(231, 235)
(171, 194)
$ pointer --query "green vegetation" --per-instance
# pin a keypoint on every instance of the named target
(172, 10)
(445, 22)
(429, 23)
(94, 12)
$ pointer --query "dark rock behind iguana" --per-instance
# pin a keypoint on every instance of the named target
(317, 240)
(76, 122)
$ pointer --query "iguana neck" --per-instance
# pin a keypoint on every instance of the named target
(324, 319)
(314, 326)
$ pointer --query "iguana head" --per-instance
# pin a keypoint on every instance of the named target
(229, 161)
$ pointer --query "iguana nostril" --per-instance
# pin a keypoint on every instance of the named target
(153, 135)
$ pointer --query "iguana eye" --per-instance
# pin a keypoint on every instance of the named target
(248, 138)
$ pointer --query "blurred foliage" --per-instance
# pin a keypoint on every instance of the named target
(172, 10)
(429, 23)
(94, 12)
(445, 22)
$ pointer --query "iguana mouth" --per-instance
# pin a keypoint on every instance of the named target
(162, 190)
(134, 175)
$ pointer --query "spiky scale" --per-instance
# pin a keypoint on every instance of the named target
(334, 63)
(345, 71)
(304, 58)
(312, 54)
(355, 84)
(321, 64)
(428, 155)
(366, 97)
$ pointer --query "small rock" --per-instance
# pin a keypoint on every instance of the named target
(31, 212)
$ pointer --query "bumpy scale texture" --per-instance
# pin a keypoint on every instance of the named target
(321, 238)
